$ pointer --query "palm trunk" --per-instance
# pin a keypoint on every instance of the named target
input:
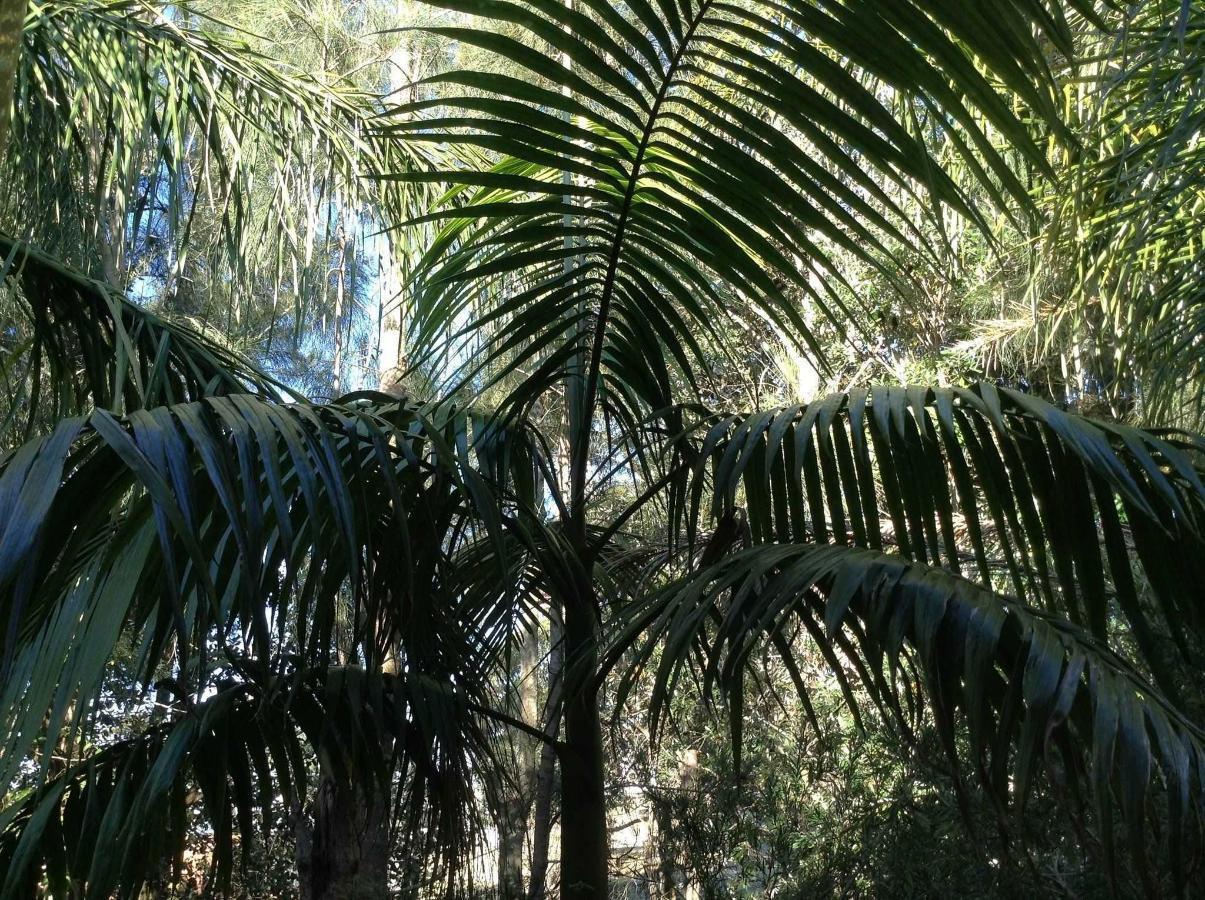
(584, 854)
(584, 851)
(518, 805)
(343, 853)
(342, 844)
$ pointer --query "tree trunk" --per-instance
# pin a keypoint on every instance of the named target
(340, 273)
(512, 830)
(513, 834)
(546, 773)
(401, 72)
(12, 20)
(343, 851)
(688, 774)
(584, 854)
(342, 841)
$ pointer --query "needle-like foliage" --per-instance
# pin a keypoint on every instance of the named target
(151, 130)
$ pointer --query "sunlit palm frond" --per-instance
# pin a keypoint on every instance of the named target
(1130, 213)
(687, 163)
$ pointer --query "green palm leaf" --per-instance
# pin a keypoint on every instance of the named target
(1093, 521)
(1025, 689)
(236, 520)
(1130, 213)
(80, 345)
(239, 750)
(250, 546)
(639, 200)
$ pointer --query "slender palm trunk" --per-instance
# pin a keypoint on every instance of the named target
(546, 772)
(343, 851)
(513, 834)
(584, 854)
(584, 850)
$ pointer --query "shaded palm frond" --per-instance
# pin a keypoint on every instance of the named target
(1024, 691)
(234, 526)
(1094, 521)
(118, 818)
(75, 345)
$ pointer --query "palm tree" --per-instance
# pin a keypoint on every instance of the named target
(1131, 217)
(343, 582)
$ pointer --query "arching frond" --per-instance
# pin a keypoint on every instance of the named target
(117, 819)
(75, 344)
(1130, 215)
(234, 525)
(291, 558)
(1093, 521)
(1025, 691)
(684, 162)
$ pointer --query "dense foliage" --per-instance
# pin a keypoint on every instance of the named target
(717, 447)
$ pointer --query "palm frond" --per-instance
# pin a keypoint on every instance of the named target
(117, 819)
(1094, 521)
(1129, 213)
(1013, 691)
(262, 550)
(232, 525)
(75, 344)
(688, 161)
